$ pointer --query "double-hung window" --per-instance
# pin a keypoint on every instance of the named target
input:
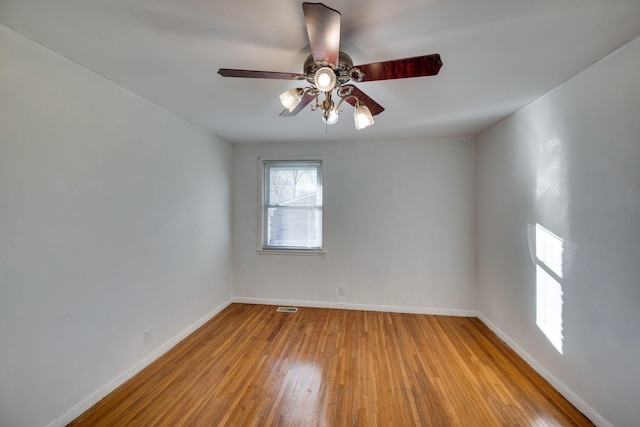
(292, 205)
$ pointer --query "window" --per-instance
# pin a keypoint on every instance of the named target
(292, 205)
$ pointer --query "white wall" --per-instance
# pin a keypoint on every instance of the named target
(399, 227)
(114, 217)
(571, 163)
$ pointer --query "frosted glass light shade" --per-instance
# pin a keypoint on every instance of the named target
(291, 98)
(325, 79)
(362, 116)
(332, 117)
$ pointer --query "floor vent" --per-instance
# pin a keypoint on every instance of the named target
(287, 309)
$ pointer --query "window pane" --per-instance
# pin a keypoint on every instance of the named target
(294, 227)
(292, 216)
(293, 186)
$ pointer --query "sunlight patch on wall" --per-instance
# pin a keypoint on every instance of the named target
(549, 301)
(549, 250)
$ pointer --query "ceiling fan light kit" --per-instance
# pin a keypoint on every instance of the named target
(328, 69)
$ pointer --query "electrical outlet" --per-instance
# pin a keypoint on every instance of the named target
(146, 336)
(341, 291)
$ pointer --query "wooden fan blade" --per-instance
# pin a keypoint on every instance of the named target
(323, 28)
(306, 99)
(427, 65)
(372, 105)
(228, 72)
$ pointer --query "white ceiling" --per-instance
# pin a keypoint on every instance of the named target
(498, 56)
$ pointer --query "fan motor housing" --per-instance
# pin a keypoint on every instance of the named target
(345, 63)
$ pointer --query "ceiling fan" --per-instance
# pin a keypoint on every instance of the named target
(328, 68)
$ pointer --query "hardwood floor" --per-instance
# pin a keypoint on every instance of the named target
(253, 366)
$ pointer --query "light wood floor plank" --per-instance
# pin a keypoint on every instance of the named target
(252, 366)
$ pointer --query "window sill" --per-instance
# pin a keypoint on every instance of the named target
(289, 252)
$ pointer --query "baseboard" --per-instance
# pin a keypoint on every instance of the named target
(362, 307)
(95, 397)
(572, 397)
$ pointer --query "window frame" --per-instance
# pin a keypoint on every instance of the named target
(262, 247)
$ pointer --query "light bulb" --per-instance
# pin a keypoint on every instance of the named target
(325, 79)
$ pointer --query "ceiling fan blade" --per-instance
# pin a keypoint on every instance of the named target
(372, 105)
(427, 65)
(306, 99)
(323, 28)
(229, 72)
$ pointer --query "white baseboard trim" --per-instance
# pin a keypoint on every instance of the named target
(95, 397)
(582, 406)
(356, 306)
